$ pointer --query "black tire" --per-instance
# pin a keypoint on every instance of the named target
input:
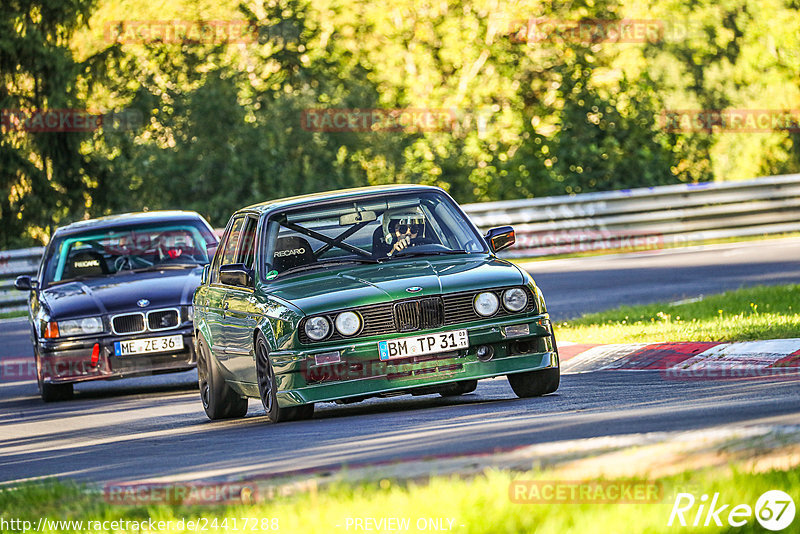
(219, 400)
(535, 383)
(50, 392)
(55, 392)
(268, 389)
(301, 413)
(459, 388)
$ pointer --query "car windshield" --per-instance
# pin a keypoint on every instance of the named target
(109, 252)
(368, 230)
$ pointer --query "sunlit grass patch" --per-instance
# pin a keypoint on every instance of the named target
(481, 504)
(763, 312)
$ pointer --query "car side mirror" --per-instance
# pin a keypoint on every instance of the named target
(235, 274)
(25, 283)
(500, 238)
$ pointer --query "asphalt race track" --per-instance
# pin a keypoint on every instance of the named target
(152, 428)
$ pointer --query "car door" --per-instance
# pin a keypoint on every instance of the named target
(214, 299)
(240, 310)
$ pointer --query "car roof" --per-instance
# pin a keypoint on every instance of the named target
(126, 219)
(341, 194)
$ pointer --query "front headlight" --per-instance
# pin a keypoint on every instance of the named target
(515, 299)
(348, 323)
(486, 304)
(317, 328)
(79, 327)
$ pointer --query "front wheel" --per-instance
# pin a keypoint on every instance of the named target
(268, 389)
(50, 392)
(219, 400)
(55, 392)
(535, 383)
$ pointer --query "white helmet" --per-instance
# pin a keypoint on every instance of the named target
(401, 216)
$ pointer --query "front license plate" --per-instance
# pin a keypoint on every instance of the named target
(415, 346)
(149, 345)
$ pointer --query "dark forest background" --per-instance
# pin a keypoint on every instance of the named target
(213, 126)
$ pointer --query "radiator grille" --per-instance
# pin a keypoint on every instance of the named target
(162, 319)
(420, 314)
(131, 323)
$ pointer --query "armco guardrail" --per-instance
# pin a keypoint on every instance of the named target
(12, 264)
(632, 219)
(646, 218)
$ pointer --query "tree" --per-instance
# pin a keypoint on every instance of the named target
(44, 175)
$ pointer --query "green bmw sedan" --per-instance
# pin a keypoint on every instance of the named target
(371, 292)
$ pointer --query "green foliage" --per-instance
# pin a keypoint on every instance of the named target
(43, 175)
(220, 124)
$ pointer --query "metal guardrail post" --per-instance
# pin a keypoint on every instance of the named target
(14, 263)
(645, 218)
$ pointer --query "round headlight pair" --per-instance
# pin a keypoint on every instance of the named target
(347, 323)
(514, 300)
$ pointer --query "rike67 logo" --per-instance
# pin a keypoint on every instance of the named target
(774, 510)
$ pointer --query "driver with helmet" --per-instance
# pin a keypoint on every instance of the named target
(402, 228)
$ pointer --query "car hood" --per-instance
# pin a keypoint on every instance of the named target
(121, 292)
(362, 285)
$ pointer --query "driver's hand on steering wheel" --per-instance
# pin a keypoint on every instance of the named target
(400, 245)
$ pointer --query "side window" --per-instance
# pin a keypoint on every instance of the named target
(247, 244)
(228, 248)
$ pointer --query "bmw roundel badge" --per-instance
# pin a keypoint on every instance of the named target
(143, 303)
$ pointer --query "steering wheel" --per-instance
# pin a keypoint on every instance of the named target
(123, 263)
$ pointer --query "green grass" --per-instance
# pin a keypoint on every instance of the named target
(13, 314)
(479, 505)
(763, 312)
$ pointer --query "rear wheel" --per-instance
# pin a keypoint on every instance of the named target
(459, 388)
(268, 389)
(219, 400)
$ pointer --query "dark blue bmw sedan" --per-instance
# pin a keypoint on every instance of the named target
(113, 298)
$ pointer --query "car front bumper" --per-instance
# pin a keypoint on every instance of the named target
(361, 374)
(71, 361)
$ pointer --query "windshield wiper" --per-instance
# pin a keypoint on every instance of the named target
(158, 267)
(408, 253)
(326, 263)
